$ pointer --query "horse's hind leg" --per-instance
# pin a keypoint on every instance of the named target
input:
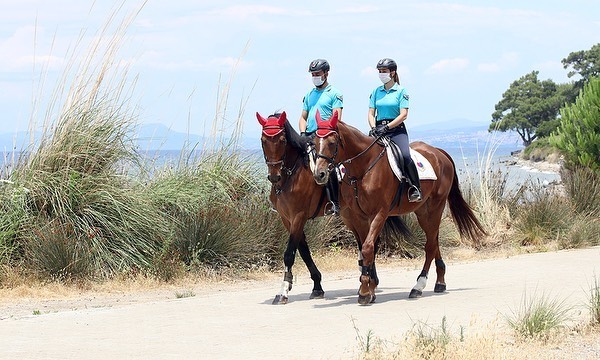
(440, 268)
(429, 220)
(315, 274)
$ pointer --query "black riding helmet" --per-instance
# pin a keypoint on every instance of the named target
(387, 63)
(319, 64)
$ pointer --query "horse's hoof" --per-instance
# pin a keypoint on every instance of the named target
(365, 299)
(415, 294)
(373, 298)
(317, 294)
(439, 288)
(280, 300)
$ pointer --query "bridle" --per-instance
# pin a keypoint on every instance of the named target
(281, 163)
(332, 163)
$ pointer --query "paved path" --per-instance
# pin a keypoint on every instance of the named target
(242, 324)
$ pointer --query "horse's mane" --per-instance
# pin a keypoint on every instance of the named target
(293, 138)
(354, 135)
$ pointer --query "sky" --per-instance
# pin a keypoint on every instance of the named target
(455, 58)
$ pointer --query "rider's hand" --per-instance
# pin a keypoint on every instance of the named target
(379, 130)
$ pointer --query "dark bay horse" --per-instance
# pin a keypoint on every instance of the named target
(294, 194)
(370, 192)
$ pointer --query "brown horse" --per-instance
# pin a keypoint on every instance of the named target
(294, 194)
(371, 193)
(297, 198)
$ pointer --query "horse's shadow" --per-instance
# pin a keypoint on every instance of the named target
(342, 297)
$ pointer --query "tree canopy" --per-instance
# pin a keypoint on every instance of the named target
(578, 135)
(585, 63)
(531, 107)
(528, 106)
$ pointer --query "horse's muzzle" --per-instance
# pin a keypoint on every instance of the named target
(321, 176)
(274, 179)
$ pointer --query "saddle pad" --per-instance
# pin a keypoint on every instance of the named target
(424, 168)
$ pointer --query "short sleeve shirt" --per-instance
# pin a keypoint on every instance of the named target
(388, 103)
(325, 100)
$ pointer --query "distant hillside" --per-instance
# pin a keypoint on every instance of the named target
(160, 137)
(463, 132)
(147, 137)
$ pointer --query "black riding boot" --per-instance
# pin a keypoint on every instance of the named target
(333, 188)
(414, 189)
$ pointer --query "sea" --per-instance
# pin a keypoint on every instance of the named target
(471, 162)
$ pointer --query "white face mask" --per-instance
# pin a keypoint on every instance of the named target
(385, 77)
(318, 80)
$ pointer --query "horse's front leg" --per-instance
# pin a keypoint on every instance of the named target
(315, 274)
(289, 256)
(368, 277)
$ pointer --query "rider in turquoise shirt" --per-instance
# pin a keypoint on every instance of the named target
(388, 109)
(323, 97)
(327, 100)
(389, 102)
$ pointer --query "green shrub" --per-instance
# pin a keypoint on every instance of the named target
(582, 186)
(538, 317)
(12, 219)
(542, 216)
(578, 135)
(594, 301)
(583, 231)
(539, 150)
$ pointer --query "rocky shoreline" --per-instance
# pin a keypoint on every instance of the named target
(541, 166)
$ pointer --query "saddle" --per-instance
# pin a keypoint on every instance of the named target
(396, 161)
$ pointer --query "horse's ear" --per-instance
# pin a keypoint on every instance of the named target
(334, 119)
(318, 116)
(261, 120)
(282, 119)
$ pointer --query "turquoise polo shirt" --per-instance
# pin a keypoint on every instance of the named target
(325, 100)
(388, 103)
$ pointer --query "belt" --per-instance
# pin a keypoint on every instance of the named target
(383, 122)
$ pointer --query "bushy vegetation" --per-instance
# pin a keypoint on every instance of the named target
(538, 316)
(541, 150)
(578, 135)
(82, 203)
(594, 302)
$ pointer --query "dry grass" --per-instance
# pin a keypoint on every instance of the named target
(484, 341)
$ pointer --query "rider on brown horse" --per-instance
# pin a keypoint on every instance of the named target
(325, 99)
(388, 109)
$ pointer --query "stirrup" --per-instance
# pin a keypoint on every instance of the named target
(414, 194)
(334, 209)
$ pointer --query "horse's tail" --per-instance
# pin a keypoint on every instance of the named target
(395, 226)
(464, 218)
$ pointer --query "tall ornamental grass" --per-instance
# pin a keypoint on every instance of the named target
(215, 210)
(82, 215)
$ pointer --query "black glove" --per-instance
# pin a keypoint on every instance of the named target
(379, 131)
(304, 133)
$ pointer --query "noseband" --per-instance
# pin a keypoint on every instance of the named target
(282, 168)
(331, 163)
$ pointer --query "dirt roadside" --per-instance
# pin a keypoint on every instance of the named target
(239, 322)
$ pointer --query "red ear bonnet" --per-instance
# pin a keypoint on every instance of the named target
(273, 125)
(326, 127)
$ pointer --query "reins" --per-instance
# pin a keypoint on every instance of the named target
(353, 181)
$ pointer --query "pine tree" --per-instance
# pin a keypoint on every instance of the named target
(578, 135)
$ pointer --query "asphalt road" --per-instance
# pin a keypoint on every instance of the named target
(241, 323)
